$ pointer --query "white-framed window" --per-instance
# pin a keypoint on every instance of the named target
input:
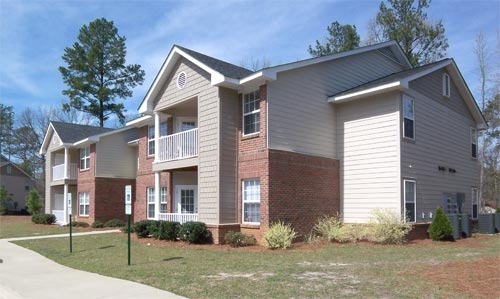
(408, 117)
(251, 113)
(9, 169)
(446, 85)
(163, 199)
(473, 142)
(251, 200)
(150, 194)
(83, 203)
(187, 201)
(410, 200)
(85, 158)
(151, 140)
(475, 202)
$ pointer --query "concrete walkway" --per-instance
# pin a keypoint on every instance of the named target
(27, 274)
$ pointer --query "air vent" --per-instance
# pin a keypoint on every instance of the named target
(181, 80)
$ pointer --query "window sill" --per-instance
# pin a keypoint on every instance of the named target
(409, 140)
(250, 136)
(250, 225)
(85, 170)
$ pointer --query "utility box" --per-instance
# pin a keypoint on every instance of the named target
(486, 223)
(466, 225)
(497, 222)
(456, 224)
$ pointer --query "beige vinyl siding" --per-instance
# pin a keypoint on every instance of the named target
(114, 158)
(299, 117)
(198, 86)
(368, 146)
(442, 130)
(230, 110)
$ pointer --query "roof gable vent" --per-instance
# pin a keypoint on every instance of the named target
(181, 80)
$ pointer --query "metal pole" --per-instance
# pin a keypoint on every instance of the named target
(128, 230)
(70, 235)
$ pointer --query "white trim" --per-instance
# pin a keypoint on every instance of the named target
(256, 94)
(412, 119)
(177, 198)
(243, 201)
(85, 158)
(370, 91)
(473, 141)
(87, 203)
(446, 85)
(414, 197)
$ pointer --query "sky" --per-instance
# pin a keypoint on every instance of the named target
(34, 33)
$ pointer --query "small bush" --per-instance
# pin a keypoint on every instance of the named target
(97, 224)
(195, 232)
(388, 227)
(332, 229)
(238, 239)
(144, 228)
(167, 230)
(79, 224)
(114, 223)
(44, 218)
(33, 202)
(279, 235)
(440, 228)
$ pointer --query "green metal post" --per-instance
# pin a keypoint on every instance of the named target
(128, 218)
(70, 235)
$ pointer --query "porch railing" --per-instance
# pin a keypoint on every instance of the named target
(59, 215)
(180, 145)
(58, 172)
(178, 217)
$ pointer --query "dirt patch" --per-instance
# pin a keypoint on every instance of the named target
(477, 278)
(13, 218)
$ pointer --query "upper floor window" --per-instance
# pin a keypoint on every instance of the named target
(251, 113)
(446, 85)
(473, 142)
(85, 158)
(408, 118)
(151, 137)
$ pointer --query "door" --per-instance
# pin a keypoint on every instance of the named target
(186, 199)
(186, 123)
(187, 143)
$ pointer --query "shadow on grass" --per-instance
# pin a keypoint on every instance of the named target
(106, 247)
(173, 258)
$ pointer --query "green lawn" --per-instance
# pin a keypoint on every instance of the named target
(332, 271)
(21, 226)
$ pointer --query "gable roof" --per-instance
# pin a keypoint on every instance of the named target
(231, 76)
(4, 161)
(70, 133)
(401, 80)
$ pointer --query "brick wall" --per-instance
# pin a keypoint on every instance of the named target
(86, 183)
(110, 198)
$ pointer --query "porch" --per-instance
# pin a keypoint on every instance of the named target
(64, 171)
(181, 145)
(178, 217)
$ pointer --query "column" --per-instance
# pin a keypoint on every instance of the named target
(66, 163)
(66, 215)
(157, 194)
(157, 136)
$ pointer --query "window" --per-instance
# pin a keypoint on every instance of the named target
(474, 199)
(446, 85)
(83, 204)
(26, 188)
(151, 202)
(187, 201)
(408, 118)
(85, 158)
(251, 113)
(410, 200)
(473, 141)
(163, 199)
(9, 169)
(151, 140)
(251, 201)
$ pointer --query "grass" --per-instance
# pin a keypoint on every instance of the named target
(21, 226)
(331, 271)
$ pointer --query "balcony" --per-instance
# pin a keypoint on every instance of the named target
(58, 172)
(178, 217)
(178, 146)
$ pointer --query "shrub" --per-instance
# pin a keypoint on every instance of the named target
(167, 230)
(195, 232)
(440, 228)
(279, 235)
(332, 229)
(33, 202)
(388, 227)
(238, 239)
(144, 228)
(3, 200)
(114, 223)
(79, 224)
(43, 218)
(97, 224)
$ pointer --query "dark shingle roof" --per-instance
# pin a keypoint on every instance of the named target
(225, 68)
(70, 133)
(390, 78)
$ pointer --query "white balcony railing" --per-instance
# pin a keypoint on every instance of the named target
(59, 216)
(178, 217)
(58, 172)
(180, 145)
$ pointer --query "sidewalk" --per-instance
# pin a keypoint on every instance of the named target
(27, 274)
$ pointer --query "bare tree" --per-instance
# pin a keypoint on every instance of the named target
(255, 64)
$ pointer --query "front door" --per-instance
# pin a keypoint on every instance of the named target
(186, 199)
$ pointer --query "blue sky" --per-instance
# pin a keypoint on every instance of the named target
(33, 35)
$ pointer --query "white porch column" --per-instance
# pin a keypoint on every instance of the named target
(66, 215)
(157, 136)
(66, 163)
(157, 194)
